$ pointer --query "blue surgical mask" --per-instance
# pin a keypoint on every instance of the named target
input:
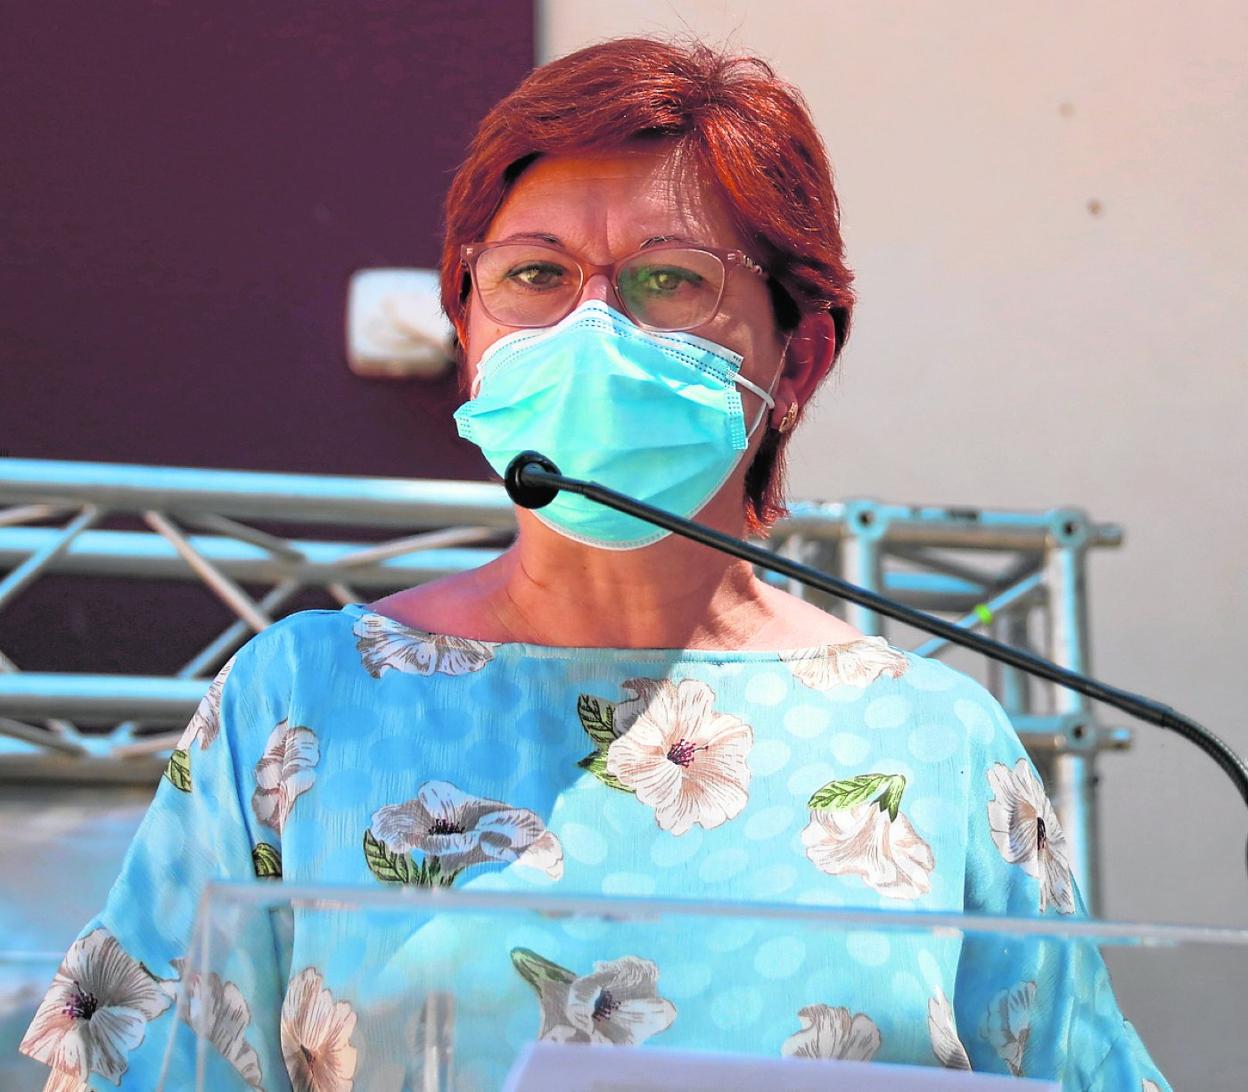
(652, 414)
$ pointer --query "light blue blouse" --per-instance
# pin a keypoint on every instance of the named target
(344, 747)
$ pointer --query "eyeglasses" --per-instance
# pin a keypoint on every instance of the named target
(665, 287)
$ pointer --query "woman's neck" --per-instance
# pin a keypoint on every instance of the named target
(681, 596)
(549, 590)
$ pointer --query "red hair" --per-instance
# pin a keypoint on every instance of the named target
(748, 132)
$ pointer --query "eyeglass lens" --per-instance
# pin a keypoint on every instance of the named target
(523, 284)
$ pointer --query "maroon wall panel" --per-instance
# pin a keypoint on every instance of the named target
(186, 188)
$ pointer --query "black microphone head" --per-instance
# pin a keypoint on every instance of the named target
(525, 493)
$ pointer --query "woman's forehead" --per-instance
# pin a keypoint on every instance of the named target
(615, 199)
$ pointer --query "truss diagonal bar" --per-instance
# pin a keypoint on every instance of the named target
(217, 651)
(343, 593)
(56, 726)
(227, 591)
(224, 644)
(29, 513)
(30, 568)
(1009, 599)
(929, 559)
(210, 521)
(148, 745)
(28, 733)
(429, 540)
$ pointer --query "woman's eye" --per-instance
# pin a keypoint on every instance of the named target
(537, 275)
(668, 280)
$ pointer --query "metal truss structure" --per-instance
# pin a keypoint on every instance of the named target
(994, 570)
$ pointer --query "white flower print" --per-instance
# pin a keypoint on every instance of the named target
(1007, 1024)
(217, 1011)
(618, 1003)
(95, 1012)
(1027, 832)
(829, 1032)
(853, 663)
(458, 830)
(856, 828)
(384, 643)
(1149, 1086)
(679, 755)
(943, 1030)
(284, 772)
(205, 724)
(316, 1036)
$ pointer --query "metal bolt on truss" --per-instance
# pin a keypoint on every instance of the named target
(994, 570)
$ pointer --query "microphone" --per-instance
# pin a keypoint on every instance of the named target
(533, 481)
(524, 491)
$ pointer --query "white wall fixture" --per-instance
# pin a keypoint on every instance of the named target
(395, 325)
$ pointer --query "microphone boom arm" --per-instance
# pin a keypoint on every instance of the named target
(533, 481)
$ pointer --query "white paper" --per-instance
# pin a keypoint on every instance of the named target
(579, 1068)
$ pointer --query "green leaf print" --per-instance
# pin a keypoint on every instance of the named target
(400, 868)
(387, 866)
(535, 970)
(597, 718)
(885, 789)
(267, 861)
(596, 764)
(891, 800)
(178, 770)
(429, 874)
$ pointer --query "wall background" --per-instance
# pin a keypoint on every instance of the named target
(189, 188)
(1017, 345)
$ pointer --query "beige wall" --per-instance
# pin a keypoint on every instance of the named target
(1013, 348)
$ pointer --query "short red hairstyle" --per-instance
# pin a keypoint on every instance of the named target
(747, 130)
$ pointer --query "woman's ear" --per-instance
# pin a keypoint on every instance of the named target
(807, 362)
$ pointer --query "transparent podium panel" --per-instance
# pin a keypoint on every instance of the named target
(424, 989)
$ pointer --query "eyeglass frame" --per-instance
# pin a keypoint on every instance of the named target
(469, 253)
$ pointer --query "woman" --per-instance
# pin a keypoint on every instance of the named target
(644, 266)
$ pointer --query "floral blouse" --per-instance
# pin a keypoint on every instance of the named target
(344, 747)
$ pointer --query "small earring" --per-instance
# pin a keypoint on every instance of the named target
(790, 416)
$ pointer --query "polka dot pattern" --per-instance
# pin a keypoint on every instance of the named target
(766, 688)
(503, 729)
(668, 851)
(736, 1008)
(806, 721)
(976, 719)
(628, 883)
(814, 776)
(934, 743)
(849, 749)
(685, 981)
(868, 949)
(769, 756)
(723, 865)
(770, 822)
(888, 712)
(583, 843)
(780, 957)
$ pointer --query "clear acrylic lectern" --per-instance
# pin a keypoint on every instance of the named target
(434, 990)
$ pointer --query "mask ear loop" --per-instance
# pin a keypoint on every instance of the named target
(769, 403)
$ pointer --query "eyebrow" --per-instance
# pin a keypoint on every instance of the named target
(655, 240)
(541, 236)
(554, 240)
